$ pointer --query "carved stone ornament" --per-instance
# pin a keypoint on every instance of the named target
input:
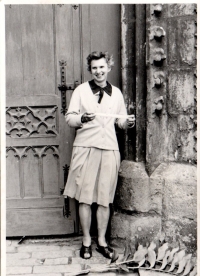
(157, 9)
(157, 56)
(157, 33)
(159, 78)
(158, 105)
(27, 121)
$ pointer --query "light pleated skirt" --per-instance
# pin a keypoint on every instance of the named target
(93, 175)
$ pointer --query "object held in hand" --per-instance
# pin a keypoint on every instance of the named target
(113, 115)
(131, 121)
(86, 117)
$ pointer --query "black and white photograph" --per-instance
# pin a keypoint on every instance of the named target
(99, 139)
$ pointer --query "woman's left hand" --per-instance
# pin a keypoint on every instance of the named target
(131, 121)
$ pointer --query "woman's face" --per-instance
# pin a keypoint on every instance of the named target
(99, 70)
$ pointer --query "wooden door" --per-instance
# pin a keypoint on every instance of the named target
(40, 41)
(39, 143)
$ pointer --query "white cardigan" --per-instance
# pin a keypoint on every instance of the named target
(100, 132)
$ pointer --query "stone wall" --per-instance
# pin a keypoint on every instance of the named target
(162, 205)
(171, 84)
(158, 198)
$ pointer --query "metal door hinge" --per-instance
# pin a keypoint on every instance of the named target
(75, 7)
(63, 87)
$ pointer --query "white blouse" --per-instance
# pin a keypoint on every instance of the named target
(100, 132)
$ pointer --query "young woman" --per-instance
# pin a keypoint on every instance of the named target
(95, 107)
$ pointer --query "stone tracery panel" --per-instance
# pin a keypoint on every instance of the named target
(27, 121)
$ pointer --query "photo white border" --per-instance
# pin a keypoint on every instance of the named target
(2, 105)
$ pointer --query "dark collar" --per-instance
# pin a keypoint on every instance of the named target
(95, 88)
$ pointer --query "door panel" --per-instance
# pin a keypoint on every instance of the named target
(64, 40)
(34, 59)
(102, 32)
(30, 222)
(14, 60)
(38, 49)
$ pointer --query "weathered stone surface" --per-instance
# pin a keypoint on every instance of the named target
(181, 232)
(187, 42)
(181, 124)
(53, 254)
(38, 248)
(18, 256)
(136, 191)
(173, 57)
(157, 141)
(10, 249)
(154, 17)
(140, 226)
(144, 272)
(120, 226)
(181, 91)
(172, 194)
(179, 46)
(133, 187)
(94, 260)
(18, 270)
(8, 243)
(56, 269)
(181, 9)
(180, 191)
(179, 210)
(26, 264)
(156, 189)
(56, 261)
(23, 262)
(182, 136)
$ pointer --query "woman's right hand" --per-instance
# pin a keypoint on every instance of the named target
(86, 117)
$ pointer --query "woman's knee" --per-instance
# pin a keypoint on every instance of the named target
(84, 206)
(103, 207)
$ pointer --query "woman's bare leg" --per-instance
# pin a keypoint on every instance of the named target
(103, 214)
(85, 219)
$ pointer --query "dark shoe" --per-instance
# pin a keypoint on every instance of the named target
(106, 250)
(85, 249)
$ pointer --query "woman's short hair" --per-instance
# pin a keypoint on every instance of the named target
(97, 55)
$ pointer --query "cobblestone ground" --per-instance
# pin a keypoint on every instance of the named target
(53, 257)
